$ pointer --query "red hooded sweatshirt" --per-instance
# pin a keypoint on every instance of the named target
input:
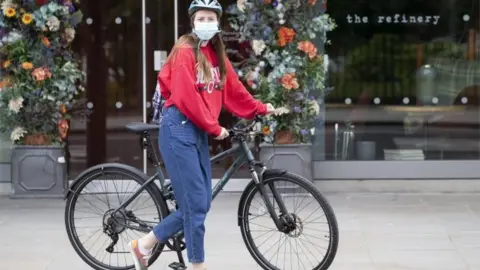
(202, 102)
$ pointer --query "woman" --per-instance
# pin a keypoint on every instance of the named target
(196, 81)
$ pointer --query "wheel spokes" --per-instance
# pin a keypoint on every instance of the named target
(94, 212)
(302, 247)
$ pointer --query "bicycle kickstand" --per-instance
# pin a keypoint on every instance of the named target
(180, 265)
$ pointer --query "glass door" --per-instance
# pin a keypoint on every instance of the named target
(160, 36)
(109, 43)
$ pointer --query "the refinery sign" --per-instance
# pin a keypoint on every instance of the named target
(393, 19)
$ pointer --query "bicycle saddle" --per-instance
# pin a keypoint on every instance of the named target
(139, 127)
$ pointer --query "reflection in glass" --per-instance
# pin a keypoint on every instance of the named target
(406, 78)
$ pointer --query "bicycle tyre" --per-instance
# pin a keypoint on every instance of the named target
(247, 198)
(120, 169)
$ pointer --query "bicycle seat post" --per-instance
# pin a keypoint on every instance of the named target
(154, 159)
(146, 143)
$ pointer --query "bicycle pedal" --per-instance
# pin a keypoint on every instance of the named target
(177, 266)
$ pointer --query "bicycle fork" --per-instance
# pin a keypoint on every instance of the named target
(280, 223)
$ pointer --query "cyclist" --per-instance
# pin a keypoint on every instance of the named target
(196, 80)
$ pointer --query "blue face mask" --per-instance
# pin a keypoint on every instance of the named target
(206, 30)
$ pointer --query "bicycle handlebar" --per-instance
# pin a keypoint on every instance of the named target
(236, 130)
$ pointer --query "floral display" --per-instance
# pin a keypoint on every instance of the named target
(285, 67)
(40, 80)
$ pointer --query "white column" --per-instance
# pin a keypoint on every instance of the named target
(175, 16)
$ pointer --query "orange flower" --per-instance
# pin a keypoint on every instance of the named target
(27, 65)
(63, 109)
(285, 36)
(312, 2)
(45, 41)
(289, 81)
(5, 82)
(63, 128)
(308, 48)
(266, 130)
(6, 64)
(41, 74)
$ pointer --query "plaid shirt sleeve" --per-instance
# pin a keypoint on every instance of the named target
(158, 101)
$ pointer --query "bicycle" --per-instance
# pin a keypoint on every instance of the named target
(117, 220)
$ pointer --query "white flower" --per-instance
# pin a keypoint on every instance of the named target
(17, 133)
(281, 110)
(53, 24)
(313, 107)
(12, 37)
(69, 34)
(261, 64)
(241, 5)
(15, 104)
(258, 46)
(7, 4)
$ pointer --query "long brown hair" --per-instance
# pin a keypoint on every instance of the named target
(203, 65)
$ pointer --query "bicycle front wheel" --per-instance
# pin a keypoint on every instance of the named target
(100, 236)
(311, 241)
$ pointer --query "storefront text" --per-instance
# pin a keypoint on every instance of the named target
(394, 19)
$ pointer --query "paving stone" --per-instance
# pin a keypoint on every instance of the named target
(377, 232)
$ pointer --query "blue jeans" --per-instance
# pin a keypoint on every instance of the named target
(185, 152)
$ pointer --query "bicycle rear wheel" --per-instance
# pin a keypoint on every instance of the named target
(88, 216)
(311, 242)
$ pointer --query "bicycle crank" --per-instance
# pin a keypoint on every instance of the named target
(180, 265)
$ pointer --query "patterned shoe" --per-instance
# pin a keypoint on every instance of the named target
(141, 260)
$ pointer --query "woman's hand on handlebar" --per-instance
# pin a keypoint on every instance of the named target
(223, 134)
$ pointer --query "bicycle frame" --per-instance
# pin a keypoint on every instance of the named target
(245, 156)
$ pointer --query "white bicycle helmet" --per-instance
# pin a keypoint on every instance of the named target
(212, 5)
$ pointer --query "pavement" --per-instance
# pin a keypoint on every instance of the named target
(377, 231)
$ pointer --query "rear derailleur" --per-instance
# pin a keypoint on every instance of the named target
(112, 226)
(114, 236)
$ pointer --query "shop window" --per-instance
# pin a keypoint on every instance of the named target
(406, 78)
